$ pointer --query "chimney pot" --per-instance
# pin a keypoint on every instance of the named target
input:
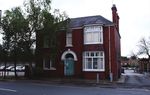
(114, 8)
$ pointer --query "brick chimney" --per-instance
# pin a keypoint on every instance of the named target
(115, 16)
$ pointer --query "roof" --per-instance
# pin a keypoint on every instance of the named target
(124, 59)
(82, 21)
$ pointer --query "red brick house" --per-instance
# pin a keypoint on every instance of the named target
(90, 48)
(124, 61)
(144, 65)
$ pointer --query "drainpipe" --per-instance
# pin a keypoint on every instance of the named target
(0, 14)
(110, 69)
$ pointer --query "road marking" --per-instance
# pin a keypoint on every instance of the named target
(9, 90)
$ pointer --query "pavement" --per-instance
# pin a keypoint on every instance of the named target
(72, 81)
(122, 79)
(147, 75)
(83, 82)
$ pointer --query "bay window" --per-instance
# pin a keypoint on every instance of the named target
(93, 35)
(93, 61)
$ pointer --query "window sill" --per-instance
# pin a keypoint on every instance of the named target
(93, 70)
(52, 68)
(93, 43)
(69, 45)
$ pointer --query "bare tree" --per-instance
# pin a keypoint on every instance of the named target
(134, 55)
(144, 49)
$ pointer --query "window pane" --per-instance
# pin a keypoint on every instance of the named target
(87, 54)
(69, 34)
(46, 63)
(101, 53)
(88, 37)
(69, 38)
(92, 53)
(100, 37)
(69, 41)
(97, 54)
(89, 63)
(95, 63)
(96, 37)
(100, 63)
(84, 61)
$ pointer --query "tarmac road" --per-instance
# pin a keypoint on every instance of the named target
(29, 88)
(136, 79)
(139, 86)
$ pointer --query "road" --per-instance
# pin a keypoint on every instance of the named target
(136, 79)
(29, 88)
(35, 88)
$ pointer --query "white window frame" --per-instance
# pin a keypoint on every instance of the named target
(69, 39)
(95, 33)
(50, 63)
(100, 55)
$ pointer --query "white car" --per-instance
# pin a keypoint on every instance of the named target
(2, 67)
(9, 68)
(19, 68)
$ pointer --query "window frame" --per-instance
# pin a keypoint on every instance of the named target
(69, 39)
(50, 64)
(92, 30)
(87, 54)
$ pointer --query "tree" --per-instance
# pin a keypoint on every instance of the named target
(144, 48)
(42, 20)
(3, 57)
(20, 29)
(6, 38)
(15, 29)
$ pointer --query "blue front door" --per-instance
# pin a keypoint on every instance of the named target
(69, 67)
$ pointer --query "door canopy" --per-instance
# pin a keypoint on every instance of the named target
(69, 52)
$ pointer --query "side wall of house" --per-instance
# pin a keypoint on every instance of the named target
(115, 53)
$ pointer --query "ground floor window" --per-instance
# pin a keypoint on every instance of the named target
(47, 64)
(93, 61)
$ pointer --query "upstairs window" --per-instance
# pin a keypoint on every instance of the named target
(69, 39)
(93, 35)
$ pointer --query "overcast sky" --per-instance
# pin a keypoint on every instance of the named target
(134, 16)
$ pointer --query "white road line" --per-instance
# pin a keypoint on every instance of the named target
(9, 90)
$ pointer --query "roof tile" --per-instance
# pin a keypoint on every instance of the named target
(81, 21)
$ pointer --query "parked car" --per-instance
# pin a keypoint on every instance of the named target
(9, 68)
(18, 68)
(2, 68)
